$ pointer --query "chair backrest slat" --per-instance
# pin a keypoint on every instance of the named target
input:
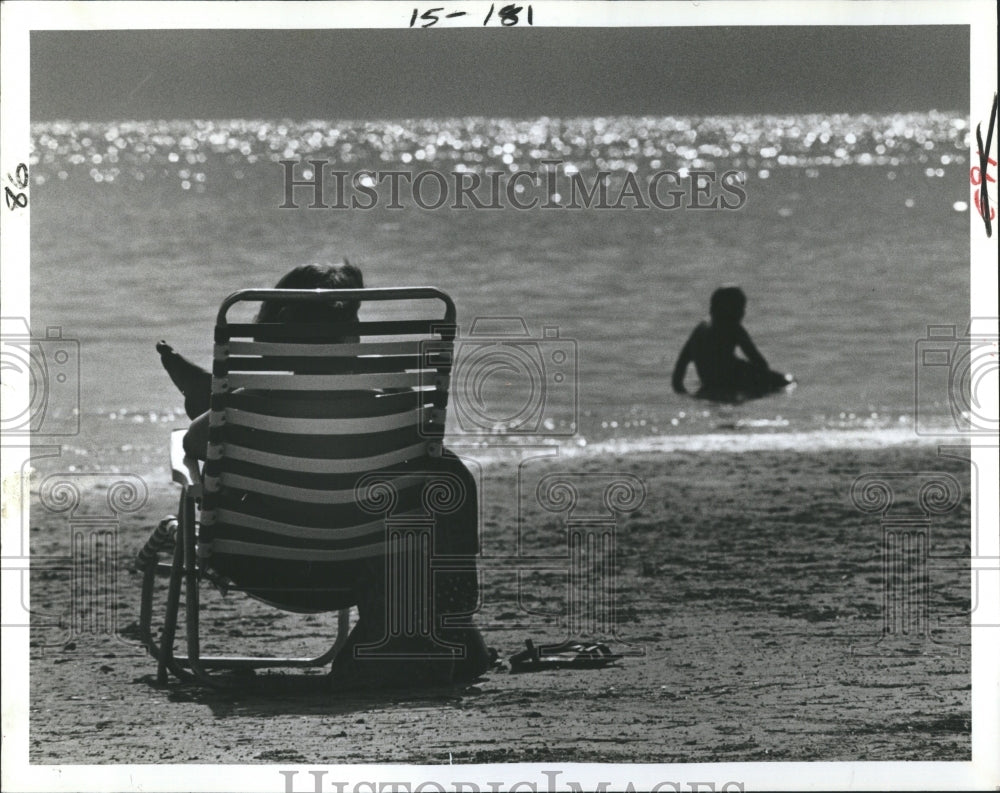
(324, 426)
(313, 365)
(323, 448)
(299, 416)
(372, 529)
(347, 350)
(274, 332)
(306, 382)
(346, 553)
(333, 466)
(298, 405)
(307, 495)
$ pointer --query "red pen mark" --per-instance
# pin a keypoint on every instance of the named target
(976, 173)
(979, 176)
(981, 198)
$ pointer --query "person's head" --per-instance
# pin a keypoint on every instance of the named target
(315, 276)
(728, 305)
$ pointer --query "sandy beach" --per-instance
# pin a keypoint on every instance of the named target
(749, 603)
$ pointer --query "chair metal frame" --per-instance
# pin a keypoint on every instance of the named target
(185, 569)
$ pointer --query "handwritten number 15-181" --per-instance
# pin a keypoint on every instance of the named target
(508, 15)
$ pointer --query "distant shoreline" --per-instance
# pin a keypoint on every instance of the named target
(804, 442)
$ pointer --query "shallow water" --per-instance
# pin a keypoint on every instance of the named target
(852, 240)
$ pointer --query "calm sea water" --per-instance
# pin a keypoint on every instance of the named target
(852, 240)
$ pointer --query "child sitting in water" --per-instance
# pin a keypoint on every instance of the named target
(711, 346)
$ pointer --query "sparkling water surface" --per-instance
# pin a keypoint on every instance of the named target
(852, 240)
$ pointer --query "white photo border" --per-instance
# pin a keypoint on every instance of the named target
(19, 19)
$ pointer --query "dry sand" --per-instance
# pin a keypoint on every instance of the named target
(743, 583)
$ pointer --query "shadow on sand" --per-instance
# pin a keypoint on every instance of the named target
(268, 694)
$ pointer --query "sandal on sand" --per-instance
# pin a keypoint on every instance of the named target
(568, 655)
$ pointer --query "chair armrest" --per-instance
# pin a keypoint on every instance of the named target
(185, 469)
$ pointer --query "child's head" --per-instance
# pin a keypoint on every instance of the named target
(315, 276)
(728, 305)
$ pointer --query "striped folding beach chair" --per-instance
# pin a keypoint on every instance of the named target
(309, 425)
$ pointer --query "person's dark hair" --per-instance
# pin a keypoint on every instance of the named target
(315, 276)
(728, 304)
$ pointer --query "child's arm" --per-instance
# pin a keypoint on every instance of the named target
(745, 343)
(680, 368)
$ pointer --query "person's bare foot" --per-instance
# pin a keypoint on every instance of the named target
(192, 381)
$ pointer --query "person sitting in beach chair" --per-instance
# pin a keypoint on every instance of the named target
(712, 348)
(315, 568)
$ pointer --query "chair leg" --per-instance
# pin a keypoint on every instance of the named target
(170, 619)
(192, 611)
(343, 629)
(186, 512)
(184, 574)
(147, 563)
(146, 610)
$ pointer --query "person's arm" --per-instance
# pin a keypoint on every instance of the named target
(680, 368)
(745, 343)
(196, 438)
